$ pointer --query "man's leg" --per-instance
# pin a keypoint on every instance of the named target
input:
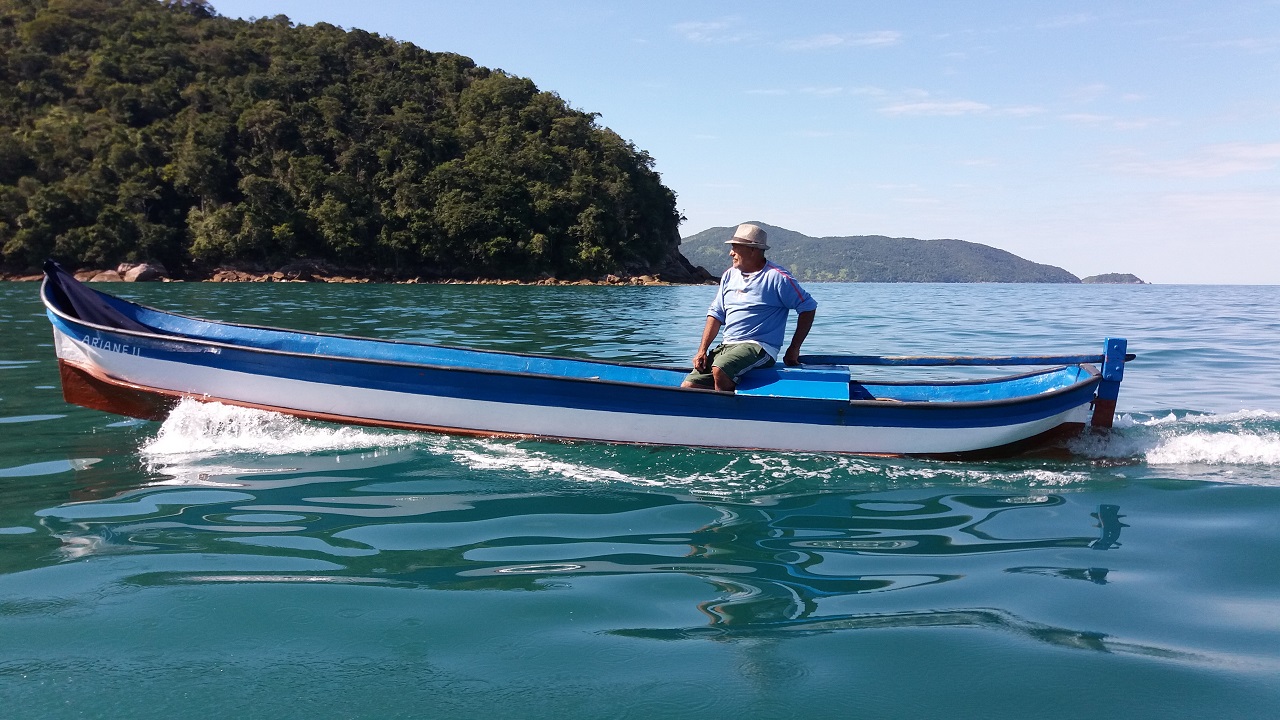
(723, 381)
(728, 367)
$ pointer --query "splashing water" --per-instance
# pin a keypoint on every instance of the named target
(1241, 447)
(1218, 448)
(204, 429)
(1250, 437)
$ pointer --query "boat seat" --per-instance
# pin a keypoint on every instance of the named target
(798, 382)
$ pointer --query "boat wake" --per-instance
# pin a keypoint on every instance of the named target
(729, 475)
(1242, 447)
(195, 429)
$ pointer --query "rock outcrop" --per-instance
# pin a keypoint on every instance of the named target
(142, 272)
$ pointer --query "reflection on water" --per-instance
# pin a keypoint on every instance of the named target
(1108, 517)
(988, 619)
(406, 517)
(801, 551)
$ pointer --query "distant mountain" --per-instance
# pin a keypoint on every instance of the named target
(875, 258)
(1114, 279)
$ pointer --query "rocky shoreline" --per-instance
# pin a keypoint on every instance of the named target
(319, 272)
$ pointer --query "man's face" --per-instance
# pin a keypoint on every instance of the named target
(745, 256)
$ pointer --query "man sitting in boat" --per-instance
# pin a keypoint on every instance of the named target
(751, 305)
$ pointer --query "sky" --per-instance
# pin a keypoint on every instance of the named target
(1135, 137)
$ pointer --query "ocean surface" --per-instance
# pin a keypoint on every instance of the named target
(235, 563)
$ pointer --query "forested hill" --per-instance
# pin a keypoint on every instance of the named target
(875, 258)
(135, 130)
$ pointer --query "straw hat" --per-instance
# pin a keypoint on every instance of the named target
(749, 235)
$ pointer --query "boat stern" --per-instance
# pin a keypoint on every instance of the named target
(1114, 356)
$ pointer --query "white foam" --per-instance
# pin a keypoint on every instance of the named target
(199, 428)
(1126, 420)
(491, 455)
(1247, 438)
(1217, 448)
(732, 474)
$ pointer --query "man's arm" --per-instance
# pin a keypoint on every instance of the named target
(804, 321)
(709, 333)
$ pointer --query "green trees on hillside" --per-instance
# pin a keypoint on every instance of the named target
(141, 130)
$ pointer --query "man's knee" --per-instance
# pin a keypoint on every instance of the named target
(722, 378)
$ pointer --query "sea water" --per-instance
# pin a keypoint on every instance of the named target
(236, 563)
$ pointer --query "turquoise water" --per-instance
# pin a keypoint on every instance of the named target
(232, 563)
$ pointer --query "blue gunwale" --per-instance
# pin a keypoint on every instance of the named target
(675, 401)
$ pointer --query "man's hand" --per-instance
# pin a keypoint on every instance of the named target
(804, 321)
(701, 362)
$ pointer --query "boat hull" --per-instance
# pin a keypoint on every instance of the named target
(143, 375)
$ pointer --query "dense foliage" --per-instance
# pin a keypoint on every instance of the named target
(136, 130)
(1113, 279)
(875, 258)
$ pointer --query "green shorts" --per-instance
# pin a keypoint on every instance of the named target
(735, 360)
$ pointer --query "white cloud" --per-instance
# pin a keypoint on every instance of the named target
(869, 90)
(1231, 207)
(1095, 92)
(882, 38)
(1139, 123)
(948, 108)
(1210, 162)
(921, 103)
(719, 32)
(1255, 45)
(1067, 21)
(1021, 110)
(814, 43)
(1088, 93)
(1087, 118)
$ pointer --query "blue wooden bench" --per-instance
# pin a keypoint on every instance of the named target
(798, 382)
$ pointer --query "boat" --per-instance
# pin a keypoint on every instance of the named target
(129, 359)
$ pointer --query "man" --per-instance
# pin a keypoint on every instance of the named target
(751, 305)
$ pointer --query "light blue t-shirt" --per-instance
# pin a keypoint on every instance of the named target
(754, 308)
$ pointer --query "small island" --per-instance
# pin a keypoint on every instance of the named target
(1114, 279)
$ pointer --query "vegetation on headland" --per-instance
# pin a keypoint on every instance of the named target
(875, 258)
(141, 130)
(1113, 279)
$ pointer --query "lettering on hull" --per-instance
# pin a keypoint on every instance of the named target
(99, 343)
